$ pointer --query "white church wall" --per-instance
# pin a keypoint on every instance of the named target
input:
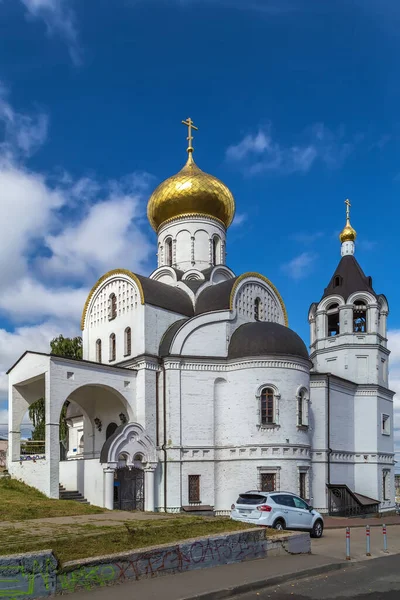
(32, 473)
(208, 340)
(197, 395)
(157, 321)
(84, 476)
(205, 469)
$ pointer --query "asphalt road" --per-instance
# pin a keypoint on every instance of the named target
(377, 579)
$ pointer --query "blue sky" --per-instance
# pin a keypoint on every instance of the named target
(297, 108)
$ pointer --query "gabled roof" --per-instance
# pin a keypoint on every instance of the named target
(347, 279)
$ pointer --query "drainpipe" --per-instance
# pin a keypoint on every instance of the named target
(328, 398)
(164, 446)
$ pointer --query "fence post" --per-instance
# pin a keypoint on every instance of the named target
(368, 534)
(347, 543)
(384, 538)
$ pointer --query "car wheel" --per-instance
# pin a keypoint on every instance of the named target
(279, 525)
(318, 528)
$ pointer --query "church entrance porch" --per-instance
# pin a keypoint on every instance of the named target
(129, 489)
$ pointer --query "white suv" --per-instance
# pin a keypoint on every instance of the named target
(280, 510)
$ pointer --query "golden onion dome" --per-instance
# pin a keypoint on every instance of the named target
(348, 234)
(190, 192)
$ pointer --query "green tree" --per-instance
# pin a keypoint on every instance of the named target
(60, 346)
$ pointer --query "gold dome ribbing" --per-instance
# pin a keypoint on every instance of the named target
(348, 234)
(190, 192)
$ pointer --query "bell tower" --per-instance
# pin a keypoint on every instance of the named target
(348, 325)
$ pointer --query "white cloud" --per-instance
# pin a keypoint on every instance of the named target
(300, 266)
(22, 133)
(239, 219)
(59, 20)
(259, 152)
(70, 230)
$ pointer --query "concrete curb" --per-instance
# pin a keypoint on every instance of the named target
(254, 586)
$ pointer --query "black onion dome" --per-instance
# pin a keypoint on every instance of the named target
(265, 339)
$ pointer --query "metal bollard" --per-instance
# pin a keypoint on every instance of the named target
(348, 543)
(368, 534)
(385, 549)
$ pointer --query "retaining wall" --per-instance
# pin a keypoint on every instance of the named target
(37, 574)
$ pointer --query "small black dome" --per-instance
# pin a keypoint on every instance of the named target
(265, 339)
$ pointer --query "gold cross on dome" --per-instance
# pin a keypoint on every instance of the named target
(190, 126)
(347, 202)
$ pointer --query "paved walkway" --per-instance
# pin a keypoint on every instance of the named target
(118, 517)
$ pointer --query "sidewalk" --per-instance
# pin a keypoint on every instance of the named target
(328, 554)
(338, 522)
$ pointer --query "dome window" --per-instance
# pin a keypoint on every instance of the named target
(216, 250)
(168, 252)
(257, 309)
(112, 307)
(333, 321)
(337, 281)
(359, 317)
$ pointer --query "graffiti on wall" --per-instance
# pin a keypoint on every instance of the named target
(173, 559)
(28, 576)
(37, 575)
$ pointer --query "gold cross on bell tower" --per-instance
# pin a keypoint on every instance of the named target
(347, 203)
(190, 126)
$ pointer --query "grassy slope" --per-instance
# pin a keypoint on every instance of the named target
(19, 502)
(83, 541)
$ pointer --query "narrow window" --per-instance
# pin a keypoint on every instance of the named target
(267, 406)
(359, 317)
(194, 488)
(128, 343)
(112, 307)
(300, 407)
(257, 307)
(98, 351)
(216, 250)
(268, 482)
(112, 347)
(386, 424)
(336, 281)
(168, 252)
(333, 320)
(302, 485)
(385, 485)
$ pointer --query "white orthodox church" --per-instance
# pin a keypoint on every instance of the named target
(192, 387)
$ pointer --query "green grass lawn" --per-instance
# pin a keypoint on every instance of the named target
(19, 502)
(83, 541)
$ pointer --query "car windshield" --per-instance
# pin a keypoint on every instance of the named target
(250, 499)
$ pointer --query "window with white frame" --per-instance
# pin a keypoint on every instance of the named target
(269, 479)
(302, 408)
(168, 252)
(268, 407)
(385, 424)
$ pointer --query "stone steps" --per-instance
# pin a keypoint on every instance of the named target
(71, 495)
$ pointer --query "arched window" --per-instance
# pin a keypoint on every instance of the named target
(128, 341)
(257, 309)
(267, 407)
(168, 252)
(112, 307)
(337, 281)
(216, 250)
(333, 325)
(359, 317)
(110, 429)
(112, 347)
(98, 351)
(302, 409)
